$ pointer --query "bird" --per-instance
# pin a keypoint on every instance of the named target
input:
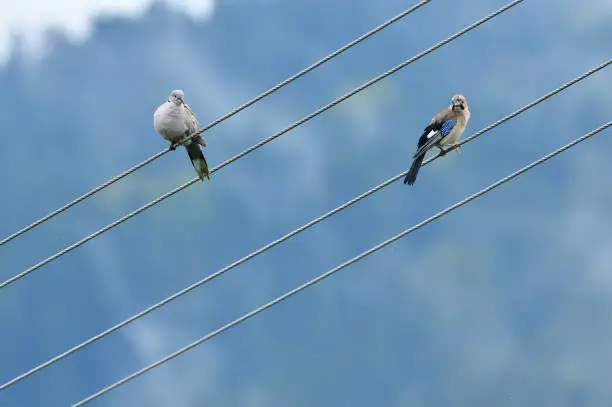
(175, 121)
(444, 130)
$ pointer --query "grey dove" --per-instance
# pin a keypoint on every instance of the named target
(175, 120)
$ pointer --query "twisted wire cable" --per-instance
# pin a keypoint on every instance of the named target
(338, 268)
(217, 121)
(261, 143)
(286, 236)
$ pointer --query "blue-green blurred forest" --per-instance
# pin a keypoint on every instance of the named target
(503, 302)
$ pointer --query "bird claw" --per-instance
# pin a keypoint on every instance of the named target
(178, 142)
(457, 147)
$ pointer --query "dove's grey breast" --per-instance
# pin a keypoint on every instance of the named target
(171, 121)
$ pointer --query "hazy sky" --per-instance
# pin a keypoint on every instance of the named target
(474, 305)
(75, 16)
(72, 16)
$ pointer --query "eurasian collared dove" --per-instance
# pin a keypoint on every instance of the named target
(175, 120)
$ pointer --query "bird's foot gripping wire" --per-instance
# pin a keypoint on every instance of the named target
(176, 143)
(452, 147)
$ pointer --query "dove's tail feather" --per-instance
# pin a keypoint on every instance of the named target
(198, 160)
(414, 170)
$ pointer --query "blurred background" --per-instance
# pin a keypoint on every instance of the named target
(503, 302)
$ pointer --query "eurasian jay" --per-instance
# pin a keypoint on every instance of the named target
(444, 130)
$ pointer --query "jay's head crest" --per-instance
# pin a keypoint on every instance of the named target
(458, 102)
(177, 97)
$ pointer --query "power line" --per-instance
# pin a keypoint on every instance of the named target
(219, 120)
(261, 143)
(527, 107)
(338, 268)
(284, 238)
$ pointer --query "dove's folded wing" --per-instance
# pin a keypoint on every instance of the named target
(191, 118)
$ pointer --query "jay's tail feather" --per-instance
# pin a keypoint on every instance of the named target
(414, 170)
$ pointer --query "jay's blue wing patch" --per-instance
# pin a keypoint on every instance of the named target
(447, 126)
(433, 134)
